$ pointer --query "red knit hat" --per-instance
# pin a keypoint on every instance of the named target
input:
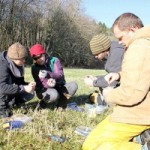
(36, 49)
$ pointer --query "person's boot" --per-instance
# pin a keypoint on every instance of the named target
(4, 113)
(62, 102)
(42, 104)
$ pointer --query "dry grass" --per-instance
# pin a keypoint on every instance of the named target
(34, 135)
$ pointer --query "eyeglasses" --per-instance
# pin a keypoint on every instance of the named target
(38, 57)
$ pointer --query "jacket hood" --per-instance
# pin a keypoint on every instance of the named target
(3, 54)
(141, 33)
(16, 71)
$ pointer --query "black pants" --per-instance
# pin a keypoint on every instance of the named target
(7, 102)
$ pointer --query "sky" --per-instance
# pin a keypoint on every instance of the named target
(106, 11)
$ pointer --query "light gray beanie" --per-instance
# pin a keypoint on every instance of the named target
(17, 51)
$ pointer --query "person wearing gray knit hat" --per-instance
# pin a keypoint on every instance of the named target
(103, 48)
(13, 88)
(99, 43)
(127, 127)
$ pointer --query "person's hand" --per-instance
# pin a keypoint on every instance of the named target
(51, 82)
(111, 77)
(33, 84)
(42, 73)
(88, 80)
(30, 87)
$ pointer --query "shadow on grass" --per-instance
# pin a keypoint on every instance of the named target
(80, 100)
(34, 104)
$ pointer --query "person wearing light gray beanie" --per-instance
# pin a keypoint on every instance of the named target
(111, 51)
(14, 91)
(17, 51)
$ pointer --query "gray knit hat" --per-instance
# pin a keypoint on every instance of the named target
(17, 51)
(99, 43)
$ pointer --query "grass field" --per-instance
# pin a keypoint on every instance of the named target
(34, 135)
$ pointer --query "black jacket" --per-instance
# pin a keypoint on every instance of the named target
(55, 71)
(10, 84)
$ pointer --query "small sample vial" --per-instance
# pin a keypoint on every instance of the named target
(56, 138)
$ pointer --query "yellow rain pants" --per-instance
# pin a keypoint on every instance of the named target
(113, 136)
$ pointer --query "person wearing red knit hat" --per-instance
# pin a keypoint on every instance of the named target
(36, 49)
(48, 74)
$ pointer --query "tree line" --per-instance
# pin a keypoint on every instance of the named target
(61, 26)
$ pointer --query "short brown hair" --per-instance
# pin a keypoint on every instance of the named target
(127, 20)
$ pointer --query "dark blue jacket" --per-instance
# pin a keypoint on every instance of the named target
(11, 78)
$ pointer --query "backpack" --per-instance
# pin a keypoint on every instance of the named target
(96, 98)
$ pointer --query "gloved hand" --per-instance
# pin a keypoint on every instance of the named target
(42, 73)
(110, 77)
(51, 82)
(88, 80)
(30, 87)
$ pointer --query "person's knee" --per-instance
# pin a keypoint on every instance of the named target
(72, 88)
(107, 145)
(94, 139)
(99, 146)
(85, 146)
(89, 145)
(4, 113)
(51, 96)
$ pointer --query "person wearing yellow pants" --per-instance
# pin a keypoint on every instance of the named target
(131, 100)
(113, 136)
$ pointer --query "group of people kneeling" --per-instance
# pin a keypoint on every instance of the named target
(126, 87)
(49, 81)
(47, 72)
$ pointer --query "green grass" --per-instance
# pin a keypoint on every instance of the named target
(34, 135)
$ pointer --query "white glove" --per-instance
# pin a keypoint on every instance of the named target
(42, 73)
(88, 80)
(110, 77)
(51, 82)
